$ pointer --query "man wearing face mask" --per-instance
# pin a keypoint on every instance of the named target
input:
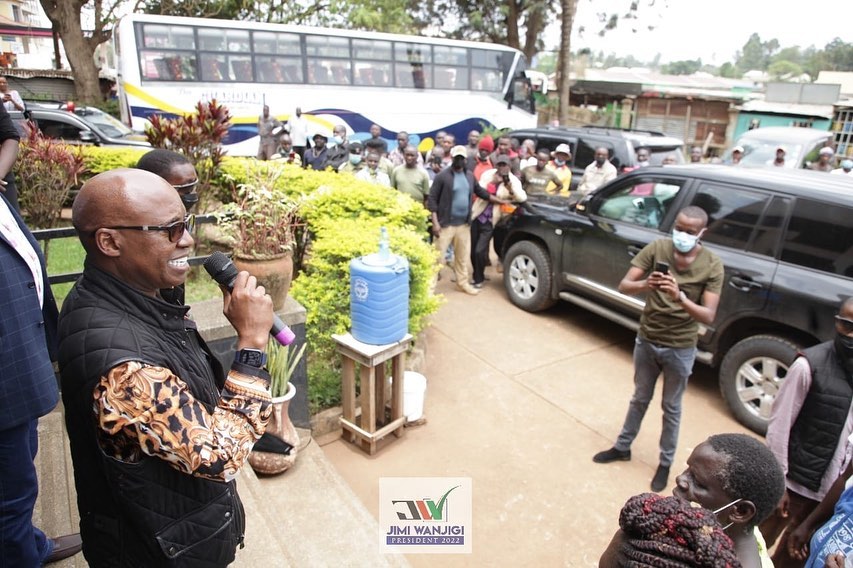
(682, 281)
(599, 172)
(339, 152)
(354, 162)
(809, 430)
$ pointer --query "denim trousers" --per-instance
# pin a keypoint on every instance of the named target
(649, 361)
(21, 544)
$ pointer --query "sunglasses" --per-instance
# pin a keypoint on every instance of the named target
(188, 187)
(176, 230)
(846, 324)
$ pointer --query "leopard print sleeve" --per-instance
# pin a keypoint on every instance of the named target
(148, 410)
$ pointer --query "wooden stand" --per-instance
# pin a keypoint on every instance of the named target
(372, 359)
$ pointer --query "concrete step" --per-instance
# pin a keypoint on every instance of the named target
(320, 521)
(56, 508)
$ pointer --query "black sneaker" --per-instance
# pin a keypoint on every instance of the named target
(612, 455)
(660, 479)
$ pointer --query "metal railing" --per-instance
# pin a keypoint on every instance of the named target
(67, 232)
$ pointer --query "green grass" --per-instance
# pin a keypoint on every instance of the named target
(66, 255)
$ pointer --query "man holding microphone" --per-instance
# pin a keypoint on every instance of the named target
(158, 430)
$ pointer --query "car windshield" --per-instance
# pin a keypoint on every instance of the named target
(763, 153)
(103, 122)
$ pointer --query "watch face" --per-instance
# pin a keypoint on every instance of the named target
(252, 357)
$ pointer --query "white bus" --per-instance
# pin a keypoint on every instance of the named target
(167, 64)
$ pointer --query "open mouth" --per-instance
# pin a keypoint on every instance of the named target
(182, 262)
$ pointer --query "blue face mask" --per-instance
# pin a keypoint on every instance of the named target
(355, 159)
(338, 140)
(683, 242)
(560, 163)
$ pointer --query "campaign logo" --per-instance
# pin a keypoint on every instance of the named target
(425, 514)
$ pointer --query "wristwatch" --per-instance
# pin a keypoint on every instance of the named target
(681, 297)
(251, 357)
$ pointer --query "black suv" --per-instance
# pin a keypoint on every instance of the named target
(86, 125)
(621, 144)
(785, 238)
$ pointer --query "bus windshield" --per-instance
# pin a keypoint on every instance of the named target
(417, 84)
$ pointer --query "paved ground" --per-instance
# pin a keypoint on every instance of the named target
(520, 402)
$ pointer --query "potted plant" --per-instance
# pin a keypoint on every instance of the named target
(276, 451)
(261, 222)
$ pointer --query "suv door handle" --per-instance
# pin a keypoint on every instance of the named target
(633, 250)
(744, 283)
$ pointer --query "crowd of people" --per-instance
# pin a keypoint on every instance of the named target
(159, 429)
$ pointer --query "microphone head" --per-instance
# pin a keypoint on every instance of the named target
(221, 269)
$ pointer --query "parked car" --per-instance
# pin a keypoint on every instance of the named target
(785, 238)
(621, 144)
(801, 145)
(85, 125)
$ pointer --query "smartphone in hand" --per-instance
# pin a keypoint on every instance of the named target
(662, 267)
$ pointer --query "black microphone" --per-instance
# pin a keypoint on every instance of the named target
(224, 272)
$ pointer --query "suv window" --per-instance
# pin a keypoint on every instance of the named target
(59, 130)
(820, 236)
(644, 203)
(732, 213)
(769, 232)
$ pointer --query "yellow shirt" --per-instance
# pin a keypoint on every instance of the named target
(564, 173)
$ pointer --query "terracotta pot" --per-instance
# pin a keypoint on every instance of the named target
(274, 274)
(268, 463)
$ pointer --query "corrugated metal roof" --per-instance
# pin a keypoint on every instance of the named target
(823, 111)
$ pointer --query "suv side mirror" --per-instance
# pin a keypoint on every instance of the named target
(88, 136)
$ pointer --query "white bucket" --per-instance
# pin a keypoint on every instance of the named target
(414, 389)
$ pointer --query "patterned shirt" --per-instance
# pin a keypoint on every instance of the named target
(148, 410)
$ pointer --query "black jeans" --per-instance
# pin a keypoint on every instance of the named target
(481, 236)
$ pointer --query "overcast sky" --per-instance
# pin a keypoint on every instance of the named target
(713, 29)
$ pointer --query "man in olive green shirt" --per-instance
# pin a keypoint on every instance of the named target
(411, 179)
(682, 281)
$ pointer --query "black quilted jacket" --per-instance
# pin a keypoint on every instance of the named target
(147, 513)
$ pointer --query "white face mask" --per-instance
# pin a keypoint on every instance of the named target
(683, 242)
(723, 508)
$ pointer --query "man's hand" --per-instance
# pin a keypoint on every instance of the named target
(666, 283)
(798, 542)
(249, 309)
(835, 560)
(436, 228)
(784, 503)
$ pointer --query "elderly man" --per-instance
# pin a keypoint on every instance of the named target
(158, 430)
(599, 172)
(286, 151)
(450, 199)
(339, 153)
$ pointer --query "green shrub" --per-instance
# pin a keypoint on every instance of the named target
(99, 160)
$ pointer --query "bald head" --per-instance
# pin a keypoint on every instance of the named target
(112, 197)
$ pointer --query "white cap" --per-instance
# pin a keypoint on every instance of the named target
(563, 149)
(737, 149)
(458, 151)
(826, 151)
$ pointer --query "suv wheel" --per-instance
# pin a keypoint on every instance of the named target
(750, 376)
(527, 277)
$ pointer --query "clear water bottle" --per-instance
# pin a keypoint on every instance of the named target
(384, 244)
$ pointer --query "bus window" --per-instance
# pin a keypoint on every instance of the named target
(168, 37)
(279, 69)
(373, 74)
(412, 65)
(328, 71)
(371, 49)
(242, 68)
(167, 66)
(217, 39)
(327, 46)
(451, 77)
(450, 55)
(277, 43)
(214, 67)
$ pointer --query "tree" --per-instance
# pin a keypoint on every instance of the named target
(65, 15)
(567, 16)
(781, 70)
(756, 54)
(684, 67)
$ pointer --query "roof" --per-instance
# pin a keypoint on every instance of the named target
(843, 78)
(786, 134)
(803, 183)
(822, 111)
(702, 85)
